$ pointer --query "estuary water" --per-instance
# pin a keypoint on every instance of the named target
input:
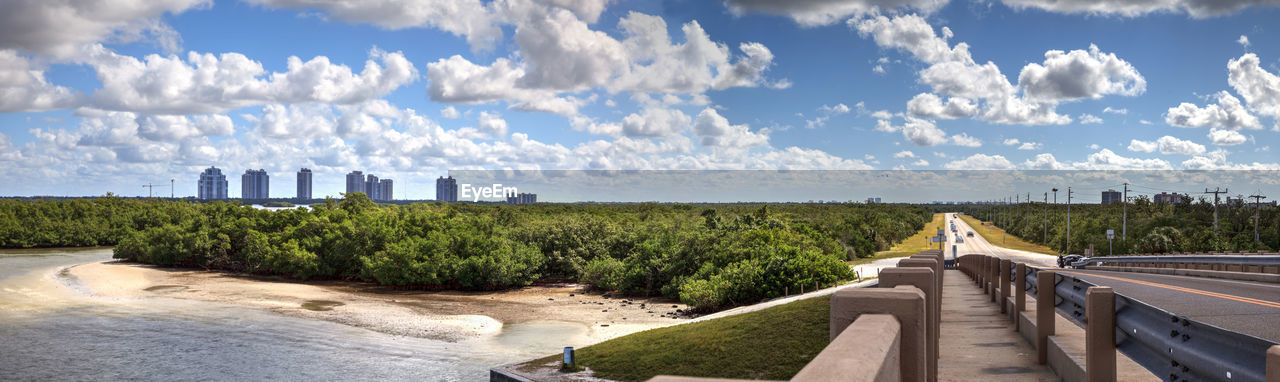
(52, 328)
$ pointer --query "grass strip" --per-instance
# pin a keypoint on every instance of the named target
(773, 343)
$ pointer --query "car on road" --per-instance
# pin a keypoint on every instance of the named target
(1067, 260)
(970, 234)
(959, 240)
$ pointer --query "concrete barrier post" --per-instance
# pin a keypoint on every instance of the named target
(906, 303)
(1044, 314)
(1273, 364)
(979, 269)
(995, 278)
(1004, 284)
(1100, 334)
(919, 273)
(868, 350)
(1019, 295)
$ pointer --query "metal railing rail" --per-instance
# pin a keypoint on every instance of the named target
(1190, 259)
(1168, 344)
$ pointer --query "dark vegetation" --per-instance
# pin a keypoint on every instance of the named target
(708, 256)
(1153, 228)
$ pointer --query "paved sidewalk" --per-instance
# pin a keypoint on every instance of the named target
(978, 343)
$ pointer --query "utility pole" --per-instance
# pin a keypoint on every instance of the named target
(1257, 215)
(1068, 246)
(171, 188)
(1215, 193)
(1055, 196)
(1046, 218)
(1124, 225)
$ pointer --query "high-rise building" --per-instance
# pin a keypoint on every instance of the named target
(522, 198)
(446, 189)
(355, 182)
(255, 184)
(1167, 198)
(1111, 196)
(212, 184)
(385, 190)
(371, 187)
(304, 184)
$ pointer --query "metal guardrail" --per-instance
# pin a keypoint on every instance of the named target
(1264, 260)
(1168, 344)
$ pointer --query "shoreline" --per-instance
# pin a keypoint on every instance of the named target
(450, 316)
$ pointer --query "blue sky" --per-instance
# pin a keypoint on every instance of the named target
(99, 96)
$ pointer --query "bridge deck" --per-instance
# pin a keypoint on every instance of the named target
(977, 342)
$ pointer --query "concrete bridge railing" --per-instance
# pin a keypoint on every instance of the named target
(1169, 346)
(887, 333)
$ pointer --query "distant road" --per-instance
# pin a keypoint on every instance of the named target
(1245, 307)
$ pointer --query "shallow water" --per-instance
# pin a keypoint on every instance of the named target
(52, 329)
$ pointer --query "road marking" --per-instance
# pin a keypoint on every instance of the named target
(1184, 289)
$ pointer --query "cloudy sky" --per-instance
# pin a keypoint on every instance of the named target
(102, 95)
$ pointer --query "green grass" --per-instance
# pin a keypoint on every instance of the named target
(912, 245)
(773, 343)
(996, 236)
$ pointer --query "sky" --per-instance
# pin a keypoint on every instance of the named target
(102, 96)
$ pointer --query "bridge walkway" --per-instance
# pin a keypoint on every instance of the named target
(977, 342)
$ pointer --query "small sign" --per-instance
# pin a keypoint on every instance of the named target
(1111, 234)
(940, 231)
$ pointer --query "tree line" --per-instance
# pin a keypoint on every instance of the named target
(707, 255)
(1186, 226)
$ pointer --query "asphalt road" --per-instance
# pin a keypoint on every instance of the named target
(1245, 307)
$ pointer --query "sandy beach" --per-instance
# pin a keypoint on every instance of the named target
(448, 315)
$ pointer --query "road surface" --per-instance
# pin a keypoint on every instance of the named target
(1245, 307)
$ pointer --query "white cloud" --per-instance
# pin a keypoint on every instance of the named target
(928, 105)
(826, 12)
(24, 88)
(1258, 87)
(558, 53)
(980, 162)
(1129, 8)
(965, 140)
(1243, 41)
(827, 112)
(1044, 161)
(904, 154)
(1087, 118)
(1227, 113)
(492, 123)
(60, 27)
(1111, 110)
(715, 130)
(470, 19)
(1217, 160)
(920, 132)
(1224, 137)
(1012, 141)
(1030, 146)
(1093, 146)
(1143, 146)
(1172, 145)
(983, 90)
(920, 163)
(450, 113)
(1108, 160)
(205, 83)
(1080, 75)
(655, 122)
(1144, 122)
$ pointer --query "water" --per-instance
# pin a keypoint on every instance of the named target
(51, 329)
